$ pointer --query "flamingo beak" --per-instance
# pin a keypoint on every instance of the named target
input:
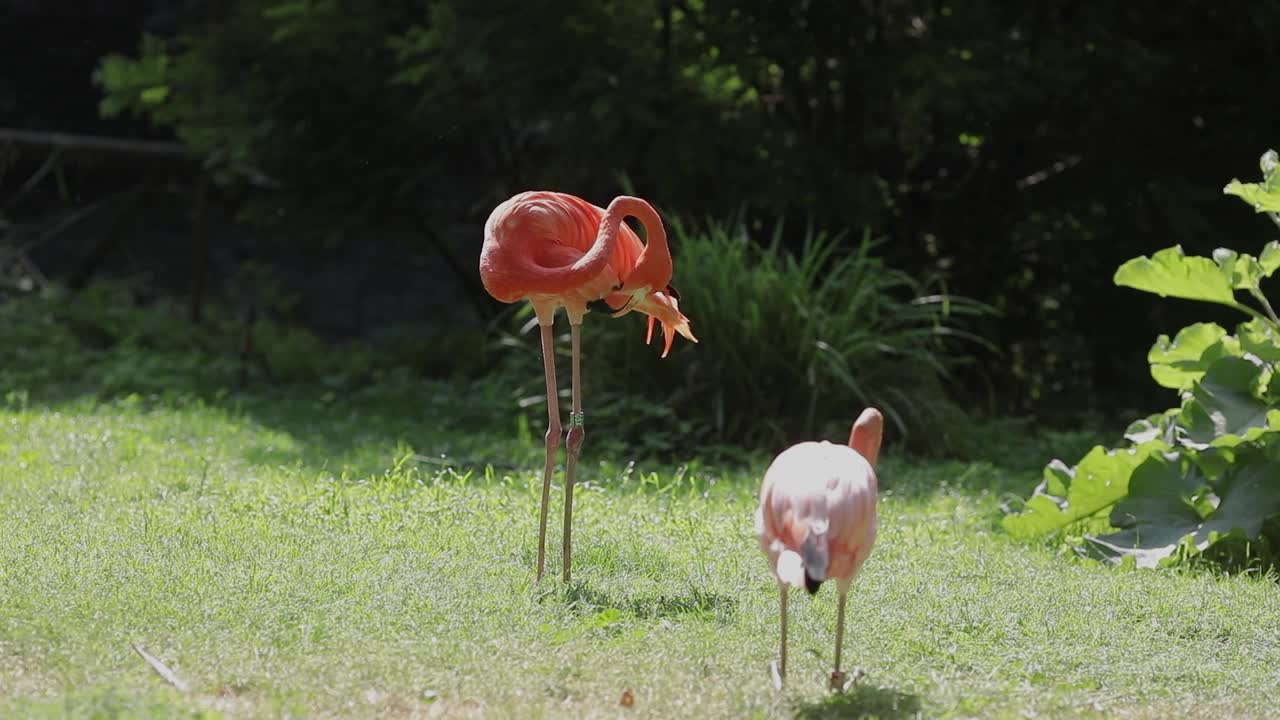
(634, 300)
(664, 313)
(811, 584)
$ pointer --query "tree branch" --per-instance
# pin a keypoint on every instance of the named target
(96, 144)
(67, 144)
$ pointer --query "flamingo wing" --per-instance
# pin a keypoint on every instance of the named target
(531, 238)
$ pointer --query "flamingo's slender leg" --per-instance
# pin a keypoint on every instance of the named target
(553, 438)
(838, 678)
(573, 444)
(779, 669)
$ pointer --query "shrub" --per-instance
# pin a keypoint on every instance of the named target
(106, 341)
(1209, 469)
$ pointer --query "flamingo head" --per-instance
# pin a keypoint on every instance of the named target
(662, 306)
(665, 309)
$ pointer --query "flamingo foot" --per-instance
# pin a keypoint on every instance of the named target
(842, 681)
(776, 674)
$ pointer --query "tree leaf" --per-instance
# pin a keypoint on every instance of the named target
(1179, 363)
(1097, 482)
(1170, 273)
(154, 95)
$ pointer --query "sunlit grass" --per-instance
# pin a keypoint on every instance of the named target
(290, 556)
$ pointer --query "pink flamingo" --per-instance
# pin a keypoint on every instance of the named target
(817, 520)
(557, 250)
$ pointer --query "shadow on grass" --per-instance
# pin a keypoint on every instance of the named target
(350, 410)
(862, 701)
(358, 430)
(351, 413)
(349, 407)
(693, 601)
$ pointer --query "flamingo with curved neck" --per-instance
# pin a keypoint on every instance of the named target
(557, 250)
(817, 521)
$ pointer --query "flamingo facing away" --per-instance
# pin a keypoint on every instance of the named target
(557, 250)
(817, 520)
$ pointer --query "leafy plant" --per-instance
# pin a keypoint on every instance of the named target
(1208, 469)
(791, 345)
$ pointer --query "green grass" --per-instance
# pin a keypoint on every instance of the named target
(287, 555)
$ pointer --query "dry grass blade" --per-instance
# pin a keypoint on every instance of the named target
(161, 669)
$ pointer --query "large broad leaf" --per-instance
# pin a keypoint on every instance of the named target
(1216, 462)
(1160, 516)
(1225, 409)
(1097, 482)
(1251, 495)
(1264, 196)
(1170, 273)
(1158, 512)
(1179, 363)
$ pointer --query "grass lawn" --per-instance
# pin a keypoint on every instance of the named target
(287, 556)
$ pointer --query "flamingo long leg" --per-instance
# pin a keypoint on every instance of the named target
(577, 431)
(779, 669)
(553, 439)
(837, 677)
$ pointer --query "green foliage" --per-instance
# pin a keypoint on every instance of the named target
(135, 86)
(1264, 196)
(104, 340)
(908, 118)
(791, 345)
(445, 103)
(1209, 469)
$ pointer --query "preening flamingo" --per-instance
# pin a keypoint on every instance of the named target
(817, 520)
(557, 250)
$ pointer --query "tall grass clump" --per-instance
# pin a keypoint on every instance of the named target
(792, 345)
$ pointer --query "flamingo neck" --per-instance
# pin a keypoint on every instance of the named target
(653, 267)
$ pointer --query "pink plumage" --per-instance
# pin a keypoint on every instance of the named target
(557, 250)
(817, 517)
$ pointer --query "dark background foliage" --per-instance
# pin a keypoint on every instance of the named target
(1012, 153)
